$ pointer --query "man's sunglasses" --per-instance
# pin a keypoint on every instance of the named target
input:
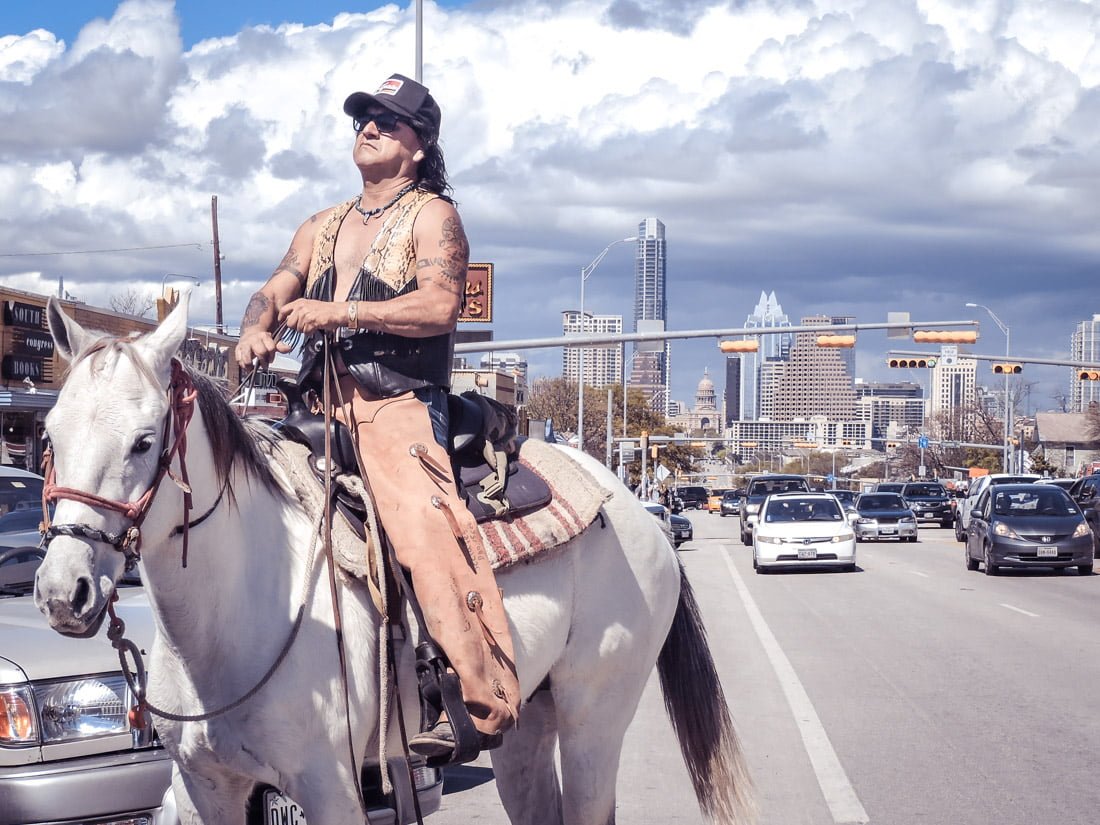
(383, 121)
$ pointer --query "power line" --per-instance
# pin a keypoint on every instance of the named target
(197, 246)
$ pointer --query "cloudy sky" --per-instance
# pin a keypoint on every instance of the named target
(854, 156)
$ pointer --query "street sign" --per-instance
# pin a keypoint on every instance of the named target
(830, 478)
(662, 472)
(921, 471)
(922, 442)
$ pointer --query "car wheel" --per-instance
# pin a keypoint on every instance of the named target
(946, 524)
(746, 539)
(971, 562)
(959, 535)
(990, 567)
(1084, 570)
(911, 539)
(755, 566)
(859, 539)
(850, 568)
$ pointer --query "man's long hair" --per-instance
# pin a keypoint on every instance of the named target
(433, 170)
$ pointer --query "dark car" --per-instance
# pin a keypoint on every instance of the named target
(884, 516)
(1027, 525)
(889, 487)
(694, 498)
(681, 529)
(847, 499)
(759, 488)
(730, 504)
(929, 501)
(1086, 492)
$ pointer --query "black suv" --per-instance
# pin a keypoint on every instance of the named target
(694, 498)
(929, 501)
(759, 488)
(1086, 492)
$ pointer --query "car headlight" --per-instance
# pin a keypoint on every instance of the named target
(865, 521)
(847, 535)
(768, 539)
(907, 520)
(1082, 530)
(1002, 529)
(66, 711)
(752, 508)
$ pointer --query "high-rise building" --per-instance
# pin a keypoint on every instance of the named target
(603, 365)
(767, 314)
(813, 381)
(732, 396)
(890, 407)
(848, 354)
(1084, 346)
(952, 394)
(651, 370)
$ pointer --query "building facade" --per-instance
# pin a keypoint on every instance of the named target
(890, 407)
(704, 417)
(1084, 346)
(732, 396)
(650, 371)
(602, 365)
(776, 347)
(814, 381)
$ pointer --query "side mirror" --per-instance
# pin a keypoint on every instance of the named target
(1088, 493)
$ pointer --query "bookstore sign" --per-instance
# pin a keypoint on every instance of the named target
(30, 346)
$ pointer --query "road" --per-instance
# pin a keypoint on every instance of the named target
(911, 692)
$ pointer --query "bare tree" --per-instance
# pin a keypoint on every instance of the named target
(132, 301)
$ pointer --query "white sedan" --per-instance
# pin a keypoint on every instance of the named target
(800, 530)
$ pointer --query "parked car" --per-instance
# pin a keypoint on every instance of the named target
(694, 498)
(929, 501)
(681, 529)
(1027, 525)
(802, 529)
(978, 486)
(731, 504)
(758, 489)
(20, 507)
(884, 516)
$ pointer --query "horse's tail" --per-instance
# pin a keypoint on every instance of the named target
(697, 707)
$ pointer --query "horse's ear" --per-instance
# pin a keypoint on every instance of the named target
(71, 338)
(164, 342)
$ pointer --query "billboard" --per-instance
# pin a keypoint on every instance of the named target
(478, 306)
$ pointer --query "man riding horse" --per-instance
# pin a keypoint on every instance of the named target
(382, 277)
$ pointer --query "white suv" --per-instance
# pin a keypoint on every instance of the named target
(977, 487)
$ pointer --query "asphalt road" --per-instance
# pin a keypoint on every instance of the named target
(911, 692)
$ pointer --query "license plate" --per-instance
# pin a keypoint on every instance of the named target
(282, 810)
(807, 553)
(1048, 552)
(888, 530)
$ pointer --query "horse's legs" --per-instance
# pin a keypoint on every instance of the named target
(204, 800)
(527, 780)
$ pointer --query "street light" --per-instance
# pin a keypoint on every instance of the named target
(1008, 401)
(585, 272)
(168, 275)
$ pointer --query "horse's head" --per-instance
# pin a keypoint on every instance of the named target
(107, 433)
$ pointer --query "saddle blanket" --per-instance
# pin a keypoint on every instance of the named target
(575, 502)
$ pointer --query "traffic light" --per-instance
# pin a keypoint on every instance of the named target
(744, 345)
(653, 452)
(911, 363)
(945, 336)
(836, 341)
(1007, 369)
(1089, 375)
(645, 441)
(750, 444)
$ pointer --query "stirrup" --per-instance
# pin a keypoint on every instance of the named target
(441, 691)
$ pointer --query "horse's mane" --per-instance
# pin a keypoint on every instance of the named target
(232, 439)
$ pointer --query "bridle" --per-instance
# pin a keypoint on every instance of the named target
(181, 407)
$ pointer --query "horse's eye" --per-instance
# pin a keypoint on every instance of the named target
(143, 444)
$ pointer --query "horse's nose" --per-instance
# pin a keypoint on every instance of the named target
(82, 596)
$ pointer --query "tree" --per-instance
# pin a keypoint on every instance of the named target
(132, 301)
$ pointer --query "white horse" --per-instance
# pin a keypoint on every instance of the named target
(593, 619)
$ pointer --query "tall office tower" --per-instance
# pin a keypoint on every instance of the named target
(848, 355)
(814, 380)
(651, 370)
(881, 404)
(602, 365)
(1085, 346)
(732, 395)
(952, 395)
(767, 314)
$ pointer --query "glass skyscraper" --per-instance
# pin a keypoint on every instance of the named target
(651, 370)
(1084, 346)
(767, 314)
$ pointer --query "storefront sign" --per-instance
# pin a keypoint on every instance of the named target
(34, 343)
(479, 295)
(14, 366)
(23, 315)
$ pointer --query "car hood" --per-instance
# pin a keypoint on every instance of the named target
(803, 529)
(30, 649)
(1041, 525)
(888, 513)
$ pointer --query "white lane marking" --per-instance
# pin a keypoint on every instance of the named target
(918, 573)
(1019, 610)
(839, 794)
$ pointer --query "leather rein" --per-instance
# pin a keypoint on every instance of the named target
(181, 401)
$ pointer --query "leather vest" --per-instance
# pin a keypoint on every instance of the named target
(383, 364)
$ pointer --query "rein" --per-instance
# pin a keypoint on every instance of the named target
(181, 400)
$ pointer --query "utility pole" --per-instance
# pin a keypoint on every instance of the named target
(609, 433)
(217, 265)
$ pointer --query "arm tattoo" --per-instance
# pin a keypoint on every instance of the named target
(253, 313)
(291, 263)
(456, 254)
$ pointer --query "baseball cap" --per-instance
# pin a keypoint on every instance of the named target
(402, 96)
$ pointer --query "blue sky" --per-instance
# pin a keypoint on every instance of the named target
(856, 157)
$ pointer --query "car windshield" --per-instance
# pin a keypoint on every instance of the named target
(803, 509)
(20, 520)
(926, 490)
(845, 496)
(20, 493)
(729, 495)
(887, 501)
(1037, 502)
(770, 486)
